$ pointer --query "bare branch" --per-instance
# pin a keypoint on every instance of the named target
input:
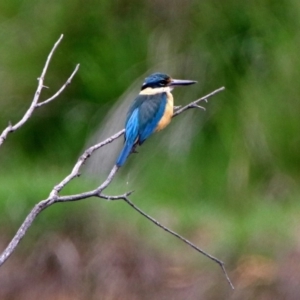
(86, 154)
(219, 262)
(119, 197)
(199, 106)
(127, 200)
(54, 194)
(23, 229)
(53, 198)
(194, 103)
(60, 90)
(34, 104)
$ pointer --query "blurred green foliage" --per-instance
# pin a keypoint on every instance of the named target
(241, 169)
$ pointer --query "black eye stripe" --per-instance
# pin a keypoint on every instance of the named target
(156, 83)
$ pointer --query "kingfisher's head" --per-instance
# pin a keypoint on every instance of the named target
(160, 80)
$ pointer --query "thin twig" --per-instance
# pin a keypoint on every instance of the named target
(127, 200)
(60, 90)
(219, 262)
(195, 103)
(34, 104)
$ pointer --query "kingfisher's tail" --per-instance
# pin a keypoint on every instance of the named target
(124, 154)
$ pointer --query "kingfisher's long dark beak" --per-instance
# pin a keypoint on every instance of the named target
(175, 82)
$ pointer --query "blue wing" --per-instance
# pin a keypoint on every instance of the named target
(131, 134)
(150, 113)
(142, 119)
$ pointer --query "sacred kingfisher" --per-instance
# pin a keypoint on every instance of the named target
(151, 111)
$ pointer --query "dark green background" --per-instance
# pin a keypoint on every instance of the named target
(226, 178)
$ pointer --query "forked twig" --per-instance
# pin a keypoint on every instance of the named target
(34, 104)
(194, 104)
